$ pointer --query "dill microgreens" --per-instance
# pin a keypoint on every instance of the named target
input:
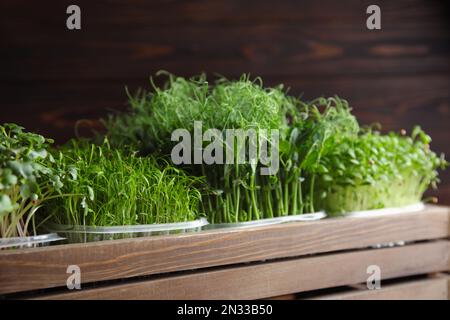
(27, 180)
(111, 187)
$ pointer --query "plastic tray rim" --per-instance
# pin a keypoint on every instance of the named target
(29, 241)
(129, 228)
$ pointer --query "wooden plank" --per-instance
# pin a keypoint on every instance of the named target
(298, 39)
(292, 51)
(291, 296)
(426, 289)
(230, 12)
(279, 278)
(29, 269)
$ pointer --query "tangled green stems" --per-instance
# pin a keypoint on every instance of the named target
(243, 195)
(110, 187)
(238, 192)
(227, 104)
(28, 180)
(234, 191)
(313, 133)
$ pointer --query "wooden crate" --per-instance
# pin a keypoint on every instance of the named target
(281, 260)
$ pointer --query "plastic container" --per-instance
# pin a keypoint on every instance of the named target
(269, 221)
(90, 233)
(387, 211)
(29, 242)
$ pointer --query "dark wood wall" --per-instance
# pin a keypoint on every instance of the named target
(398, 76)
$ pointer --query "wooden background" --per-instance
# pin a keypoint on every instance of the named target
(398, 76)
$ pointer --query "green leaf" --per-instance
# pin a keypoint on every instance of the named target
(5, 205)
(56, 182)
(351, 152)
(25, 191)
(321, 168)
(35, 154)
(9, 178)
(73, 172)
(284, 146)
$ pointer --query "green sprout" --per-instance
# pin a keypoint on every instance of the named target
(112, 187)
(28, 180)
(371, 171)
(315, 137)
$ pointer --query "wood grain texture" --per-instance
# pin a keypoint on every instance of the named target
(29, 269)
(426, 289)
(278, 278)
(132, 40)
(263, 50)
(231, 12)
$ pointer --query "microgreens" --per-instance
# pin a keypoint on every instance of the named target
(371, 171)
(313, 135)
(109, 187)
(27, 180)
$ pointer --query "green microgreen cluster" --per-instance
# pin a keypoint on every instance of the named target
(371, 171)
(110, 187)
(310, 134)
(234, 191)
(327, 162)
(238, 192)
(225, 105)
(27, 180)
(245, 104)
(155, 115)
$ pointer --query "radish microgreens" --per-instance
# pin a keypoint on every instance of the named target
(28, 180)
(371, 171)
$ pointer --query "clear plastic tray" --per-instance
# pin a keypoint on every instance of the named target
(90, 233)
(387, 211)
(29, 242)
(269, 221)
